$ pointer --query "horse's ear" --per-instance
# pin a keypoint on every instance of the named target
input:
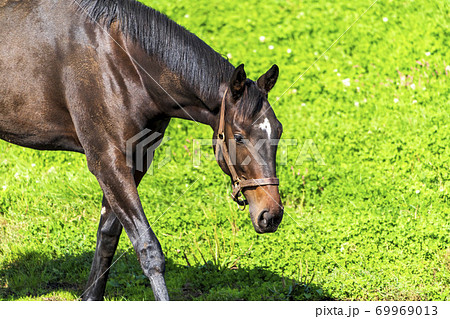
(237, 83)
(267, 81)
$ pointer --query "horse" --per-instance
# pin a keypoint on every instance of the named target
(90, 75)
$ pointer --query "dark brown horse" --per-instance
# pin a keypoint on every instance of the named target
(88, 76)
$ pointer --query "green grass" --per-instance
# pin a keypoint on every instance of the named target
(371, 224)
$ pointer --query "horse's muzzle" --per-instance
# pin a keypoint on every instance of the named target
(268, 222)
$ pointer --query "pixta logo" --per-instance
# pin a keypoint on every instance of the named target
(140, 150)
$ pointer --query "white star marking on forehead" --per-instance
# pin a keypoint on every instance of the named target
(265, 126)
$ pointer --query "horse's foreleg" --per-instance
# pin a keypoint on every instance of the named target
(120, 190)
(108, 236)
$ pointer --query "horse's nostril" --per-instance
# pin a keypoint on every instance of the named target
(265, 219)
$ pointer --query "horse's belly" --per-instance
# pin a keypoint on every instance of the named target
(30, 121)
(41, 137)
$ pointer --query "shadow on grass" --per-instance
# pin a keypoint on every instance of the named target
(37, 276)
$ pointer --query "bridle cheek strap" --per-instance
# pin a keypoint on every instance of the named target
(238, 183)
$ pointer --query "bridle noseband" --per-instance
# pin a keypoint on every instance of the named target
(238, 183)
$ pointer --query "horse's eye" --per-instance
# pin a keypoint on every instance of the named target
(239, 138)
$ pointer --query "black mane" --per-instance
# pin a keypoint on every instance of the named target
(182, 51)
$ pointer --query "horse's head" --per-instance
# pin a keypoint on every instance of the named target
(246, 136)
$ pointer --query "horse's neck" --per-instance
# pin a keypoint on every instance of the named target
(172, 95)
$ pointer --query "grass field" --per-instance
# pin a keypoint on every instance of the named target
(370, 222)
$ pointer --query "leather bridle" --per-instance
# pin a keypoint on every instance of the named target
(239, 183)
